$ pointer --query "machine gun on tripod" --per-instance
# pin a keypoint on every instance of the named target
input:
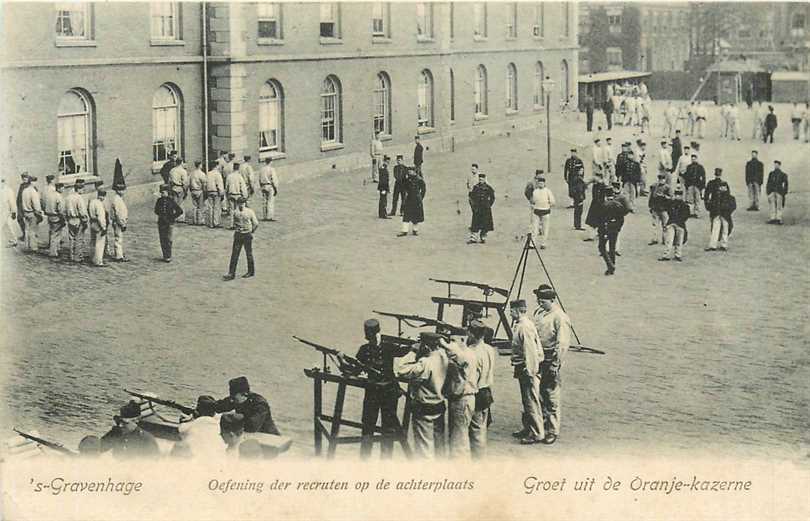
(415, 321)
(344, 362)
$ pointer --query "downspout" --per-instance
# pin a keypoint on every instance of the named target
(204, 14)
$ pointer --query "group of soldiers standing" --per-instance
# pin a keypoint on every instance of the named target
(409, 186)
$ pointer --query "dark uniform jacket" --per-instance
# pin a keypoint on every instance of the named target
(400, 173)
(723, 204)
(613, 212)
(711, 191)
(578, 189)
(414, 190)
(678, 213)
(630, 172)
(167, 210)
(677, 152)
(135, 444)
(695, 175)
(417, 154)
(381, 357)
(598, 193)
(777, 182)
(754, 172)
(382, 185)
(165, 169)
(622, 164)
(255, 410)
(659, 197)
(770, 121)
(482, 197)
(573, 168)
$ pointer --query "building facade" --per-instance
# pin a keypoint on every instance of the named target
(304, 83)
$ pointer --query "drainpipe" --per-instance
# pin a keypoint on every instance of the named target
(204, 14)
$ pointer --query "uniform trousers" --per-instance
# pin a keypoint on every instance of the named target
(733, 129)
(178, 194)
(693, 199)
(719, 232)
(630, 190)
(117, 241)
(242, 240)
(758, 129)
(530, 397)
(540, 227)
(268, 203)
(768, 134)
(806, 125)
(423, 431)
(396, 197)
(701, 127)
(797, 128)
(460, 412)
(754, 190)
(98, 238)
(166, 233)
(659, 220)
(409, 226)
(31, 232)
(382, 206)
(479, 425)
(197, 211)
(669, 126)
(232, 208)
(550, 396)
(9, 230)
(375, 164)
(673, 241)
(378, 402)
(776, 202)
(579, 206)
(55, 231)
(607, 247)
(76, 239)
(213, 210)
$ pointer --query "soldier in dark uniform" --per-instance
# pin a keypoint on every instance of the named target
(573, 167)
(482, 197)
(382, 187)
(677, 149)
(251, 407)
(382, 395)
(400, 173)
(418, 151)
(413, 213)
(126, 439)
(613, 211)
(167, 166)
(25, 180)
(589, 105)
(598, 192)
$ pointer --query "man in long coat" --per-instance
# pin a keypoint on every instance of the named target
(482, 197)
(414, 190)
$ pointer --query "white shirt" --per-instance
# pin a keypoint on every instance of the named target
(235, 184)
(267, 176)
(213, 181)
(76, 206)
(8, 202)
(542, 199)
(97, 212)
(30, 200)
(665, 158)
(118, 211)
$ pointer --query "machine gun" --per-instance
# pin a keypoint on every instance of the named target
(343, 360)
(410, 319)
(486, 288)
(58, 447)
(161, 401)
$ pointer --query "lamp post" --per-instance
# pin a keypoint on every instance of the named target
(548, 84)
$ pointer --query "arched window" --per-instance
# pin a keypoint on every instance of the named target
(271, 118)
(480, 91)
(424, 95)
(330, 111)
(511, 88)
(565, 88)
(382, 104)
(452, 95)
(166, 108)
(75, 133)
(539, 94)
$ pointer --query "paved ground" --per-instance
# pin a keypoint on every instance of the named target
(710, 355)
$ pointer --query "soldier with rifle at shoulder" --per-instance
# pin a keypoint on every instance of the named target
(126, 439)
(249, 406)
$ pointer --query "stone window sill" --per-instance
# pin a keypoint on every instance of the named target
(425, 39)
(270, 41)
(331, 41)
(511, 38)
(511, 112)
(328, 147)
(479, 38)
(167, 43)
(381, 39)
(480, 117)
(272, 154)
(75, 43)
(425, 130)
(385, 137)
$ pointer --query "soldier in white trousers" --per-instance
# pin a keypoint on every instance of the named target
(97, 214)
(268, 184)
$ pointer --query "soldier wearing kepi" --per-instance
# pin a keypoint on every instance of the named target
(383, 188)
(167, 211)
(482, 197)
(613, 211)
(31, 209)
(268, 184)
(427, 375)
(554, 328)
(126, 439)
(527, 353)
(55, 211)
(214, 193)
(754, 175)
(97, 213)
(196, 187)
(382, 395)
(675, 234)
(248, 406)
(694, 182)
(413, 212)
(776, 189)
(400, 173)
(573, 169)
(76, 209)
(485, 370)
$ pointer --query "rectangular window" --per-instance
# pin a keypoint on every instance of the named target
(164, 21)
(539, 30)
(511, 20)
(424, 21)
(480, 20)
(379, 19)
(269, 20)
(330, 20)
(614, 58)
(73, 21)
(797, 25)
(329, 122)
(269, 126)
(615, 24)
(73, 143)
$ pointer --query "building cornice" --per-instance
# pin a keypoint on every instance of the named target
(99, 62)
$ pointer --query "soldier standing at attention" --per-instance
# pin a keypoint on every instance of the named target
(770, 125)
(99, 223)
(694, 182)
(485, 363)
(777, 190)
(554, 328)
(426, 375)
(527, 353)
(249, 178)
(167, 211)
(675, 236)
(754, 175)
(126, 439)
(482, 197)
(721, 206)
(376, 153)
(658, 203)
(400, 173)
(31, 208)
(235, 188)
(573, 168)
(382, 188)
(54, 207)
(179, 181)
(541, 201)
(614, 209)
(196, 186)
(245, 224)
(250, 407)
(8, 214)
(418, 152)
(214, 192)
(578, 193)
(76, 209)
(413, 212)
(268, 183)
(119, 216)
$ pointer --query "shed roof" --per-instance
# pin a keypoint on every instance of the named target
(611, 76)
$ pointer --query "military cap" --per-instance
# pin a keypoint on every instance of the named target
(519, 303)
(165, 188)
(694, 155)
(663, 141)
(206, 405)
(49, 177)
(247, 158)
(539, 171)
(482, 174)
(399, 156)
(545, 292)
(429, 338)
(678, 189)
(130, 410)
(608, 138)
(718, 171)
(241, 199)
(102, 192)
(573, 149)
(685, 147)
(238, 385)
(596, 140)
(372, 325)
(777, 162)
(386, 158)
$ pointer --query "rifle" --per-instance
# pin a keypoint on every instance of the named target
(584, 349)
(486, 288)
(347, 360)
(45, 443)
(401, 317)
(161, 401)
